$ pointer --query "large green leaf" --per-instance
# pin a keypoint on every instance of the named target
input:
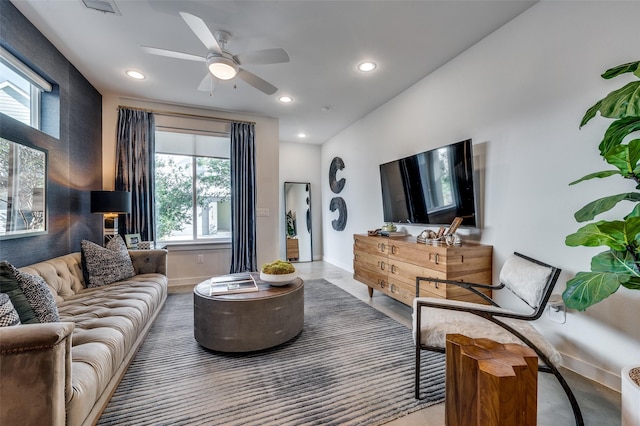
(617, 234)
(604, 204)
(621, 69)
(592, 236)
(624, 102)
(591, 112)
(602, 174)
(617, 131)
(625, 157)
(589, 288)
(619, 262)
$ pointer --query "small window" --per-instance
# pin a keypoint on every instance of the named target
(20, 90)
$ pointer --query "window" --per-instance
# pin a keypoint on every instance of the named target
(193, 187)
(20, 90)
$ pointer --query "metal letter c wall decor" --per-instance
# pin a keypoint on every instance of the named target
(337, 203)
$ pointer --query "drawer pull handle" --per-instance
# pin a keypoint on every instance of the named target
(393, 269)
(382, 247)
(393, 249)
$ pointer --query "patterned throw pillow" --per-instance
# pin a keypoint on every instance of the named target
(106, 265)
(9, 285)
(38, 295)
(8, 314)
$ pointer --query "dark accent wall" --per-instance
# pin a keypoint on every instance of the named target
(72, 113)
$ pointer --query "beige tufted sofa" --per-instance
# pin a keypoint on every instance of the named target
(64, 373)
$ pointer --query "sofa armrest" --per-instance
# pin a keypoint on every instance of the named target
(149, 261)
(35, 366)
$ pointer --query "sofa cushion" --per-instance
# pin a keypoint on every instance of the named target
(38, 295)
(8, 314)
(10, 286)
(106, 265)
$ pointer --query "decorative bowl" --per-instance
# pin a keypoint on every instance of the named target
(278, 279)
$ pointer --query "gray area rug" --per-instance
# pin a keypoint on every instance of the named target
(350, 365)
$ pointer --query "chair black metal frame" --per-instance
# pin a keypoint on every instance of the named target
(482, 311)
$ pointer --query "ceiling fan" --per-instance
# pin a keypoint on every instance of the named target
(221, 64)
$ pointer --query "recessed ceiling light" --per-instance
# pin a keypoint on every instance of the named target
(302, 135)
(286, 99)
(136, 74)
(367, 66)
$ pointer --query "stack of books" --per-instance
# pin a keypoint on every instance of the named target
(230, 284)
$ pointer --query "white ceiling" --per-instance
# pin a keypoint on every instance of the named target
(324, 39)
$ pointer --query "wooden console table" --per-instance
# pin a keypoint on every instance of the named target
(391, 265)
(489, 383)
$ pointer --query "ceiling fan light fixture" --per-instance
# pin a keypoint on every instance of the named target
(286, 99)
(221, 67)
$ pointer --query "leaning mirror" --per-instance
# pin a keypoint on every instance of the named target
(23, 177)
(297, 208)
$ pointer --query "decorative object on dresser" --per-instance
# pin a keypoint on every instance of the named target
(391, 265)
(529, 280)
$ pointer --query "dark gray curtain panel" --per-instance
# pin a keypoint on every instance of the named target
(243, 198)
(135, 170)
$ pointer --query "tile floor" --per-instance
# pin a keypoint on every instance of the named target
(600, 405)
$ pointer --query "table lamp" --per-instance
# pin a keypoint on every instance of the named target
(110, 204)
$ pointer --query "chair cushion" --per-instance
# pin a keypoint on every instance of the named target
(106, 265)
(525, 279)
(8, 314)
(437, 323)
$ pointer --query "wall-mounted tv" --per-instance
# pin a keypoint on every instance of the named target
(430, 188)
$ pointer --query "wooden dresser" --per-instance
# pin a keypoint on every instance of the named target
(391, 265)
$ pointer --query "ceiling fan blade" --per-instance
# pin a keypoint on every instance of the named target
(173, 54)
(208, 83)
(257, 82)
(201, 30)
(267, 56)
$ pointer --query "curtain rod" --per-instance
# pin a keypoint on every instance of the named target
(187, 115)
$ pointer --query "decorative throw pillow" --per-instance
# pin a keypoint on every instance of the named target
(38, 295)
(106, 265)
(9, 285)
(8, 314)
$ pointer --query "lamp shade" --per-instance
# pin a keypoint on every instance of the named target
(110, 202)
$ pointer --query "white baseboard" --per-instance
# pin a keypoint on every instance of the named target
(592, 372)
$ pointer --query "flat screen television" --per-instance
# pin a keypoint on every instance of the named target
(430, 188)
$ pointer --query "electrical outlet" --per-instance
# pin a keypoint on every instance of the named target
(200, 258)
(557, 313)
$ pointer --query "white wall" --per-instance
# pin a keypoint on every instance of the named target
(300, 162)
(267, 158)
(520, 94)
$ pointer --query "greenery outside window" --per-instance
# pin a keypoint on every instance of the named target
(20, 90)
(193, 187)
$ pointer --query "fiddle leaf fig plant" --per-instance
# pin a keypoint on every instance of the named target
(620, 264)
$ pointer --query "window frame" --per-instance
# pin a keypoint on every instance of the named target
(37, 85)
